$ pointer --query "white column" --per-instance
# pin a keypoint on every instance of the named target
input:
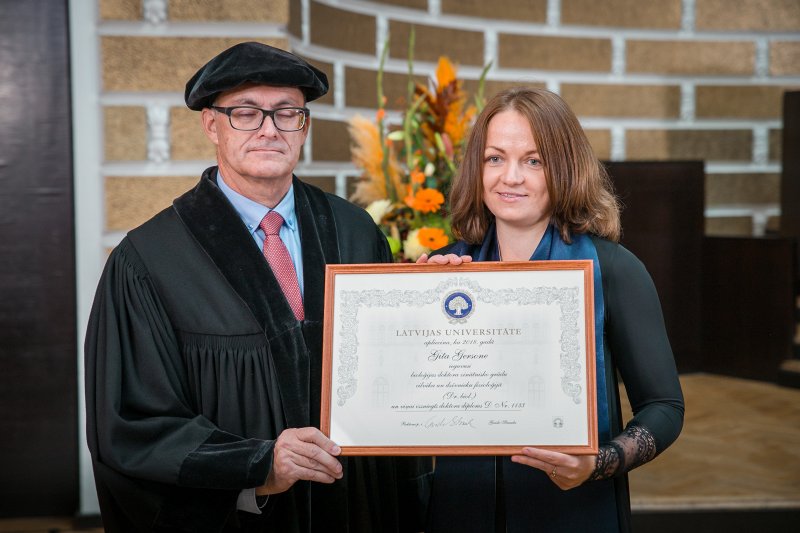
(88, 183)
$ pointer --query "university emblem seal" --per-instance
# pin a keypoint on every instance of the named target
(457, 305)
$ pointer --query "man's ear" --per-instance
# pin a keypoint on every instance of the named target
(209, 118)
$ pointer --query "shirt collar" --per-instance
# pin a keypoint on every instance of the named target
(252, 212)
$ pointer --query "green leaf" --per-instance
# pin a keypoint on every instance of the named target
(394, 244)
(411, 40)
(479, 97)
(396, 135)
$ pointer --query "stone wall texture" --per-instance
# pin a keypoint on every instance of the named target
(649, 79)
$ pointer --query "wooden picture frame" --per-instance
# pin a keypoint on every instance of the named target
(474, 359)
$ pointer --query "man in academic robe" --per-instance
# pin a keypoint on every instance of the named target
(203, 350)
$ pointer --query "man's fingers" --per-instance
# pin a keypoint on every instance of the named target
(302, 453)
(308, 448)
(311, 457)
(319, 476)
(314, 445)
(290, 461)
(301, 466)
(315, 436)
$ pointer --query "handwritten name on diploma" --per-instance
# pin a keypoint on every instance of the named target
(458, 355)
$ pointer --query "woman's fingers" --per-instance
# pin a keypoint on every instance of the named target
(448, 259)
(566, 471)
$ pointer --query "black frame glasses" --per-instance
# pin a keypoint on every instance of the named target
(302, 112)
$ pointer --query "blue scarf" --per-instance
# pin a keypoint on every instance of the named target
(552, 247)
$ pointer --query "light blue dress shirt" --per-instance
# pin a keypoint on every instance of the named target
(252, 212)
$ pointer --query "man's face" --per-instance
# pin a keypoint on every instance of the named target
(248, 157)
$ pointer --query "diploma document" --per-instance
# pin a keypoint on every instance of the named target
(475, 359)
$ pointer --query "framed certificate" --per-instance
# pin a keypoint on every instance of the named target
(475, 359)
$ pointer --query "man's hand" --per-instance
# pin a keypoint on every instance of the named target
(303, 453)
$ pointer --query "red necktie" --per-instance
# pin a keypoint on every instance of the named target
(281, 262)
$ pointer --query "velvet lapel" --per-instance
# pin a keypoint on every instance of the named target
(217, 228)
(318, 240)
(320, 245)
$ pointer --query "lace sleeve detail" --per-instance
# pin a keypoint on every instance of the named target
(631, 448)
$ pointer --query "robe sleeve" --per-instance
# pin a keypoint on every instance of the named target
(638, 342)
(140, 421)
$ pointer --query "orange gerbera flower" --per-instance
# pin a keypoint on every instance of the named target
(409, 199)
(417, 176)
(428, 200)
(433, 238)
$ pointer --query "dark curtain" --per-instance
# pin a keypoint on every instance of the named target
(38, 339)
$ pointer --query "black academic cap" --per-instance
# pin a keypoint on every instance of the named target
(256, 63)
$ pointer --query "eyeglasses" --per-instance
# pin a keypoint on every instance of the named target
(249, 118)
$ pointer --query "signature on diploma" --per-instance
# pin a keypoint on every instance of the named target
(502, 422)
(438, 421)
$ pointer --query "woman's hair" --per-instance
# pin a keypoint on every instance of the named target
(581, 194)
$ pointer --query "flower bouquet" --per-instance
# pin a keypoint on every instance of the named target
(407, 167)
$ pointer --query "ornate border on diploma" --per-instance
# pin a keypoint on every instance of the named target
(567, 297)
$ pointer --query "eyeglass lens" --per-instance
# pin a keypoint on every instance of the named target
(285, 119)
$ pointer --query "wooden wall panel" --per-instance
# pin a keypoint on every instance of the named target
(748, 315)
(790, 179)
(662, 223)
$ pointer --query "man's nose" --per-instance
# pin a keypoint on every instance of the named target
(268, 127)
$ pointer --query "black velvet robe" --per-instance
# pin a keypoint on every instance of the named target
(195, 364)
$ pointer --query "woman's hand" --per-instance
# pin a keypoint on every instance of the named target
(449, 259)
(566, 471)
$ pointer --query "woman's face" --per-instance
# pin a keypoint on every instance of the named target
(514, 186)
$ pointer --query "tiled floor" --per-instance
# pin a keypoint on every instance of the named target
(740, 449)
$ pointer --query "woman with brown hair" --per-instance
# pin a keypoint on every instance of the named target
(530, 188)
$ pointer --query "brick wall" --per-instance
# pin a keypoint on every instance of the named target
(649, 79)
(153, 147)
